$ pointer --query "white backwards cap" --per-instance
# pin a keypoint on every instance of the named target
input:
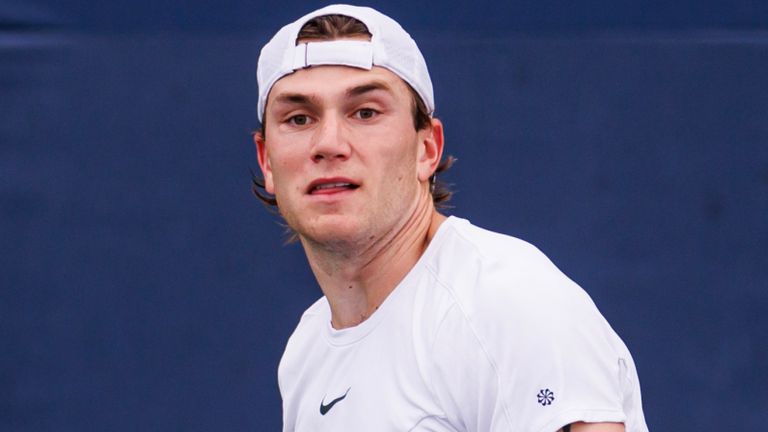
(390, 47)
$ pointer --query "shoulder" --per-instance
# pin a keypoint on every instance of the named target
(499, 294)
(524, 329)
(306, 333)
(471, 247)
(311, 323)
(489, 273)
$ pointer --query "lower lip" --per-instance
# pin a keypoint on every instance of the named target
(331, 193)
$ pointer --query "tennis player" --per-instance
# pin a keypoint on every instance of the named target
(427, 322)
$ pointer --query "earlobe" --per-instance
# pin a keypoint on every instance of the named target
(264, 164)
(430, 150)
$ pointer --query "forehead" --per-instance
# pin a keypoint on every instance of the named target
(335, 81)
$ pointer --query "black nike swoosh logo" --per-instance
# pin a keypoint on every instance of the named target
(325, 408)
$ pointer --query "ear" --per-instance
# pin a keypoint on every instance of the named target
(264, 164)
(430, 149)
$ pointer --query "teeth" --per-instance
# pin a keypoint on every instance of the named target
(332, 185)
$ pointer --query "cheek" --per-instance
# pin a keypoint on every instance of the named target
(286, 171)
(281, 173)
(408, 154)
(400, 160)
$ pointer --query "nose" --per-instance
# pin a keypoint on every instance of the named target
(330, 141)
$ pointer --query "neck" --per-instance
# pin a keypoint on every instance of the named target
(358, 279)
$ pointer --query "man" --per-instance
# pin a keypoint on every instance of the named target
(427, 323)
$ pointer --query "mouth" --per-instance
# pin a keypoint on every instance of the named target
(329, 186)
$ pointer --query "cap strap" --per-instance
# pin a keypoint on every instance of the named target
(339, 52)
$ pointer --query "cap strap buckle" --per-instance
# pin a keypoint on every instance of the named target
(352, 53)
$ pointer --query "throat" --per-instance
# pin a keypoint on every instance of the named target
(356, 285)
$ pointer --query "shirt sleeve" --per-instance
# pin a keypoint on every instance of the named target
(527, 352)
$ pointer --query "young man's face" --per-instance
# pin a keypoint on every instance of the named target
(342, 155)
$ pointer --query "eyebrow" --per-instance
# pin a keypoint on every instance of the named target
(367, 88)
(296, 98)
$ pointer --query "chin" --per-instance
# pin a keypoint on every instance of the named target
(332, 229)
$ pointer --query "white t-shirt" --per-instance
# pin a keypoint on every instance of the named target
(483, 334)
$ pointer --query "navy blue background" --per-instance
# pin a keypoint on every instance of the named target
(142, 287)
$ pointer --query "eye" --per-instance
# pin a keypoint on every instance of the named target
(299, 120)
(366, 113)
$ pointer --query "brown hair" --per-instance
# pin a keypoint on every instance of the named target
(331, 27)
